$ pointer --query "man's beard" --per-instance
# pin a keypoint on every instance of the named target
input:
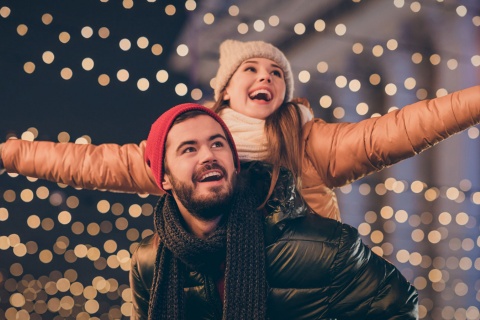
(207, 207)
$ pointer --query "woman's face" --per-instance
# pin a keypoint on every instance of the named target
(257, 88)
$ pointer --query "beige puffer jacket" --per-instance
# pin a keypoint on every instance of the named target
(335, 154)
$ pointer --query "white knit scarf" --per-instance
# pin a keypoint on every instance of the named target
(249, 133)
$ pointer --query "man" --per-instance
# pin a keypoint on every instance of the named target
(215, 256)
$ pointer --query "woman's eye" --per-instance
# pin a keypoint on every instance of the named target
(217, 144)
(250, 69)
(277, 73)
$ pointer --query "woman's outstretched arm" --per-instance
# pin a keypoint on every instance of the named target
(107, 166)
(344, 152)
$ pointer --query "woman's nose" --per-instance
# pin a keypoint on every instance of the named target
(265, 77)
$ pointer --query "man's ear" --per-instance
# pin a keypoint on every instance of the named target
(166, 184)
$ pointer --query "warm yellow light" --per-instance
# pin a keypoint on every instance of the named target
(22, 29)
(64, 37)
(274, 21)
(127, 4)
(123, 75)
(181, 89)
(339, 112)
(103, 32)
(190, 5)
(157, 49)
(319, 25)
(299, 28)
(208, 18)
(304, 76)
(170, 10)
(125, 44)
(242, 28)
(87, 32)
(47, 19)
(325, 101)
(104, 80)
(357, 48)
(135, 210)
(259, 25)
(5, 12)
(341, 29)
(142, 42)
(87, 64)
(182, 50)
(143, 84)
(162, 76)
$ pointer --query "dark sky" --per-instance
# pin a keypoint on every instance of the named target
(118, 112)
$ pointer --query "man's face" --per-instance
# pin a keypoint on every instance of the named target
(199, 167)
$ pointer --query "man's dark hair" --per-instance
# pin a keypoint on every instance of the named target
(188, 115)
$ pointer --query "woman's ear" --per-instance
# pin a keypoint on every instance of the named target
(226, 96)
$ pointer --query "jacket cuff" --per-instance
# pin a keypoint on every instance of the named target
(2, 168)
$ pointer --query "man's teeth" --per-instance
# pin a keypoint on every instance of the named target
(210, 174)
(261, 94)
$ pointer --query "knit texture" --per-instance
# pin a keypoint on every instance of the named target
(249, 133)
(239, 242)
(155, 148)
(233, 53)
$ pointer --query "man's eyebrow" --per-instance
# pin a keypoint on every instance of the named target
(194, 142)
(216, 136)
(184, 143)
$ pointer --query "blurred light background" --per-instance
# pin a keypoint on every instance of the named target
(102, 71)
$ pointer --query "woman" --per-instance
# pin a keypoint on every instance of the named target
(253, 92)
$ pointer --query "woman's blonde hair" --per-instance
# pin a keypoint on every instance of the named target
(283, 130)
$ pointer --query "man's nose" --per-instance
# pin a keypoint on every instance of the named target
(206, 155)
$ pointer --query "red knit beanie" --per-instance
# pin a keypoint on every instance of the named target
(155, 149)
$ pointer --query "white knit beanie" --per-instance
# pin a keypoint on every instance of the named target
(233, 53)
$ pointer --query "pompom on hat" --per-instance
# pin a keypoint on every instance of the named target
(155, 149)
(233, 53)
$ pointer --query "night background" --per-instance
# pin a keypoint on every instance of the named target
(103, 71)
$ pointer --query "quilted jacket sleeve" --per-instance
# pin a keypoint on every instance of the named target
(344, 152)
(141, 276)
(140, 296)
(106, 166)
(366, 286)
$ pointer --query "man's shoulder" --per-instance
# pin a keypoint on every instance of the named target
(313, 227)
(310, 242)
(149, 240)
(147, 247)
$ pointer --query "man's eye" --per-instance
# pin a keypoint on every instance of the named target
(217, 144)
(188, 150)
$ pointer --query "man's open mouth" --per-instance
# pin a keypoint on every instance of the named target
(210, 176)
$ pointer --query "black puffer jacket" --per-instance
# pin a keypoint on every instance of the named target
(317, 268)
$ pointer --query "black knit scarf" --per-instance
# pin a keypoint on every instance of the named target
(239, 241)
